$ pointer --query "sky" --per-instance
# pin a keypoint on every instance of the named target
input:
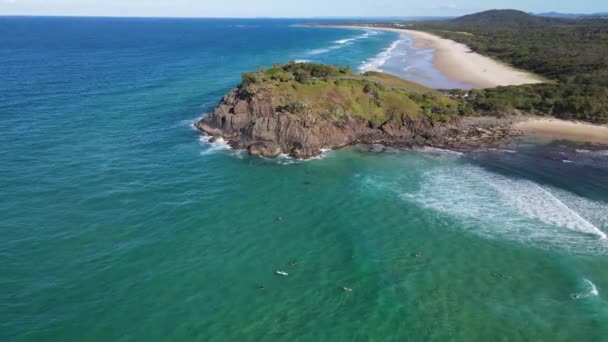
(288, 8)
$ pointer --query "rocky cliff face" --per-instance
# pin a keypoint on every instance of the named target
(253, 122)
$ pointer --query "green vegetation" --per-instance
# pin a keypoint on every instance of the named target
(334, 93)
(571, 53)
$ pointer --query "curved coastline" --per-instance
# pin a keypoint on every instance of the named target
(460, 64)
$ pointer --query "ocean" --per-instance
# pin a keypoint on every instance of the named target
(120, 222)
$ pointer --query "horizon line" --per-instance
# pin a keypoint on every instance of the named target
(282, 17)
(218, 17)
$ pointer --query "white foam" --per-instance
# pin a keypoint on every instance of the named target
(498, 150)
(303, 61)
(319, 51)
(190, 123)
(438, 151)
(593, 291)
(326, 50)
(324, 153)
(348, 40)
(344, 41)
(285, 159)
(218, 145)
(593, 153)
(497, 206)
(375, 64)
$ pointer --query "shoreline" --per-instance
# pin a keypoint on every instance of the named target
(460, 64)
(558, 129)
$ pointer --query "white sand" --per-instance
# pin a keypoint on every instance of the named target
(459, 63)
(564, 130)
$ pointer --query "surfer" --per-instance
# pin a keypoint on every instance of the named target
(281, 273)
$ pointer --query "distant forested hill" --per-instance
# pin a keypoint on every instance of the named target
(571, 52)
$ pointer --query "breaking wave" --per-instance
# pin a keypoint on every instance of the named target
(593, 291)
(499, 207)
(212, 147)
(350, 40)
(338, 44)
(375, 63)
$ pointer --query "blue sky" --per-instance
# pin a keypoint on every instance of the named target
(287, 8)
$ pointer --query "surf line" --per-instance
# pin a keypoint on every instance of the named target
(593, 229)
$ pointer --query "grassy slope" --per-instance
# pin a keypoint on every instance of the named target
(333, 93)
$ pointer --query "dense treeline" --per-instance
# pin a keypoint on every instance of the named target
(572, 54)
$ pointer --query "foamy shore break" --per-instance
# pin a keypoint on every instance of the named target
(460, 64)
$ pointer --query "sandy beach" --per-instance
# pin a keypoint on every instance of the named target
(459, 63)
(564, 130)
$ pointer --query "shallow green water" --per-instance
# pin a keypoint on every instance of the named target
(120, 223)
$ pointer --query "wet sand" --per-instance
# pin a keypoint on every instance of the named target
(460, 64)
(564, 130)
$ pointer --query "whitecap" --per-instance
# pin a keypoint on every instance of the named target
(500, 207)
(593, 291)
(211, 147)
(349, 40)
(344, 41)
(303, 61)
(319, 51)
(375, 63)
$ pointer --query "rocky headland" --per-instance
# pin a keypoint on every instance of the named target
(301, 109)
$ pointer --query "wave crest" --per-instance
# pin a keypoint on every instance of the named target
(500, 207)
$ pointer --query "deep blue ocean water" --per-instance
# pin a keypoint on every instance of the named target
(119, 222)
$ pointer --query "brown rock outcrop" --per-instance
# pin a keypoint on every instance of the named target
(253, 122)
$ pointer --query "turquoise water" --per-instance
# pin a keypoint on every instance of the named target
(120, 223)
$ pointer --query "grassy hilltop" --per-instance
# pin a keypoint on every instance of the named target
(300, 109)
(332, 93)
